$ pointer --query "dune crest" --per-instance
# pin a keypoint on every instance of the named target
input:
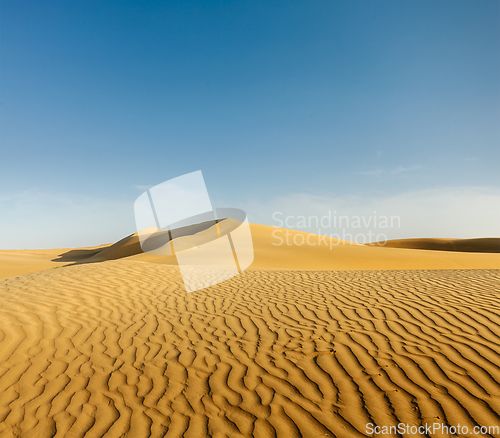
(485, 245)
(278, 248)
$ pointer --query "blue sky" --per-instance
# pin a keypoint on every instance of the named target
(330, 101)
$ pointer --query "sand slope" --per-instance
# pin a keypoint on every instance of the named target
(489, 244)
(332, 254)
(24, 261)
(110, 345)
(20, 262)
(118, 349)
(299, 250)
(275, 250)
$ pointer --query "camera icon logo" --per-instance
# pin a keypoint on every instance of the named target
(176, 218)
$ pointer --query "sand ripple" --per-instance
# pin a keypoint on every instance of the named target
(118, 349)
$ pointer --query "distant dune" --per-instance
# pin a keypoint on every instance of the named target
(489, 244)
(319, 339)
(275, 250)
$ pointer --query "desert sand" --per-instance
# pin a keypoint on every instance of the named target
(313, 340)
(462, 245)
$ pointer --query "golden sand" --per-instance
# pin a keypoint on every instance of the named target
(309, 342)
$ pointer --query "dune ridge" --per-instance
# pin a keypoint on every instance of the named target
(274, 250)
(486, 244)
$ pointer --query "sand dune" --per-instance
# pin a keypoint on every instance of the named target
(306, 251)
(275, 250)
(112, 346)
(332, 254)
(490, 244)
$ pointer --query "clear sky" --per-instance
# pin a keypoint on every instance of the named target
(294, 106)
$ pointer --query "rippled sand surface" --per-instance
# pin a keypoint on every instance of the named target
(118, 349)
